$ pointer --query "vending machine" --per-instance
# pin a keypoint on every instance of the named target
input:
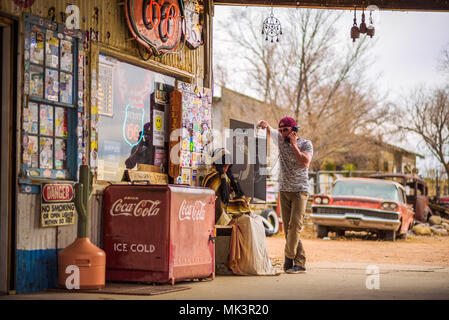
(158, 233)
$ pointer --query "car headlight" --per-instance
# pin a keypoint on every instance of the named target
(390, 206)
(321, 200)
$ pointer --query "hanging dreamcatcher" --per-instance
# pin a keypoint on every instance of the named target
(272, 28)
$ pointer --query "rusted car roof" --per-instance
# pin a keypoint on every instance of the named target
(371, 180)
(398, 175)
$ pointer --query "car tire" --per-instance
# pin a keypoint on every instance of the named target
(340, 233)
(273, 219)
(403, 236)
(428, 214)
(322, 231)
(390, 235)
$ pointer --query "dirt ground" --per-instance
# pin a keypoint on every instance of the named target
(363, 248)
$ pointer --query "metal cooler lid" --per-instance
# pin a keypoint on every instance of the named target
(180, 188)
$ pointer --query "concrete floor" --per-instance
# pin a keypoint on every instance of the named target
(323, 281)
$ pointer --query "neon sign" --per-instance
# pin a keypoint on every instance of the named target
(133, 124)
(156, 24)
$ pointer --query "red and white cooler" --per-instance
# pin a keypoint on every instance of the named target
(160, 234)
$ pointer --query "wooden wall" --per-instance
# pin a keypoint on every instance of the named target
(110, 23)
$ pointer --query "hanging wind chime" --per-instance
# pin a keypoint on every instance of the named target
(272, 28)
(362, 27)
(355, 31)
(368, 30)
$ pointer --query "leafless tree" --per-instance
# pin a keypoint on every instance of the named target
(350, 118)
(325, 90)
(428, 118)
(261, 60)
(444, 59)
(221, 75)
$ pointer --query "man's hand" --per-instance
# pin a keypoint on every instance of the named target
(262, 124)
(303, 158)
(140, 147)
(292, 136)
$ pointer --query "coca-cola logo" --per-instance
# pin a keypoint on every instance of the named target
(192, 210)
(131, 206)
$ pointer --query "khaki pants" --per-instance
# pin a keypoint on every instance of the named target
(293, 209)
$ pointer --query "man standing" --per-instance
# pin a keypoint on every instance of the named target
(295, 155)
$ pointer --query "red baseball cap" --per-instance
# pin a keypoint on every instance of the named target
(287, 122)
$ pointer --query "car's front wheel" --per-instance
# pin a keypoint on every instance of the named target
(411, 225)
(390, 235)
(340, 233)
(322, 231)
(273, 219)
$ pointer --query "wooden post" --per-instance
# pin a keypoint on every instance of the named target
(278, 213)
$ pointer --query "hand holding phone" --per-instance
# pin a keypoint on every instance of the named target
(291, 138)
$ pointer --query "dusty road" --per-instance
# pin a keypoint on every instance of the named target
(418, 250)
(415, 268)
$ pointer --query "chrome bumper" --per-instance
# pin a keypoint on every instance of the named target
(354, 221)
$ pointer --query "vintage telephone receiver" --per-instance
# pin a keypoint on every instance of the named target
(287, 139)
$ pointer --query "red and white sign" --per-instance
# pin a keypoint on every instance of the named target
(57, 207)
(57, 192)
(192, 210)
(133, 206)
(156, 24)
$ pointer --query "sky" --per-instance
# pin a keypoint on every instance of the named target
(405, 55)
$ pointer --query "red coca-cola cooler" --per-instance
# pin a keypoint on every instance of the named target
(158, 233)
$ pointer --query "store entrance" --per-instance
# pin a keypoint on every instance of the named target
(7, 124)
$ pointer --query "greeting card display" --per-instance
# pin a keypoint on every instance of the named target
(190, 130)
(52, 50)
(37, 47)
(52, 115)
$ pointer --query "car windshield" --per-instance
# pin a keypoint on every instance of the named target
(365, 189)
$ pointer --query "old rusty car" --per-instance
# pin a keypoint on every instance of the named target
(444, 201)
(363, 204)
(416, 191)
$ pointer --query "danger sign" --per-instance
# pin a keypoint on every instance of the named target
(57, 209)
